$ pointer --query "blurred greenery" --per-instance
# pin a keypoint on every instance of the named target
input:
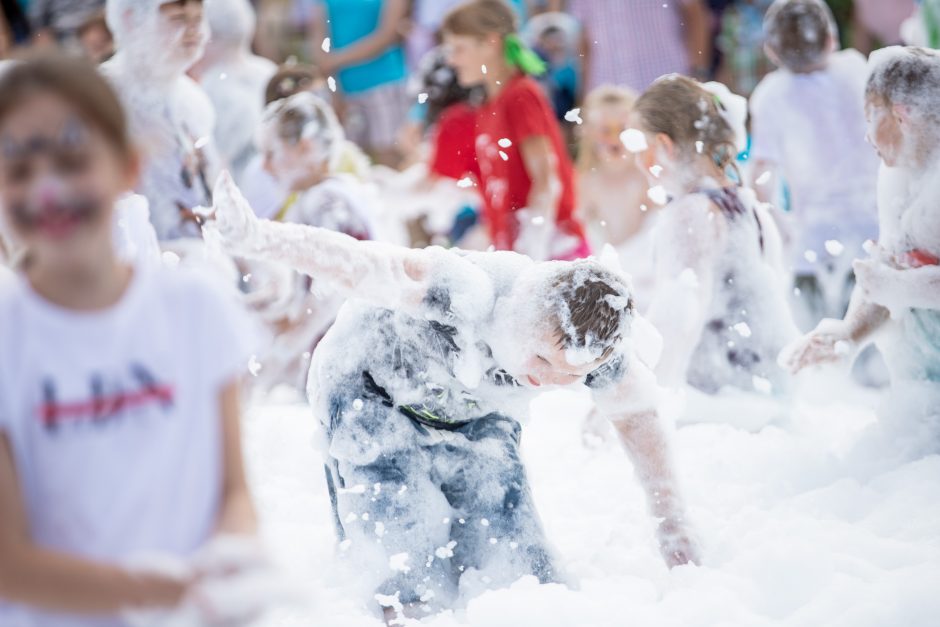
(842, 9)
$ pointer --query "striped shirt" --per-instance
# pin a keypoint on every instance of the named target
(633, 42)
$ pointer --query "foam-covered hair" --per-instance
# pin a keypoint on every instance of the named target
(593, 307)
(304, 116)
(231, 21)
(907, 76)
(799, 32)
(124, 17)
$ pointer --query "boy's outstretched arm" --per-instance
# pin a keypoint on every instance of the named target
(631, 407)
(383, 273)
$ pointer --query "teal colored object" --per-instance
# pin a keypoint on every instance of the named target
(922, 333)
(521, 10)
(350, 21)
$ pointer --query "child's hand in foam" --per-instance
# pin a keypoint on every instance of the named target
(828, 343)
(676, 544)
(234, 219)
(236, 582)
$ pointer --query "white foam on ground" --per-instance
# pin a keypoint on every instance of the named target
(793, 534)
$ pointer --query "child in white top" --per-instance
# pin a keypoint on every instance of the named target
(302, 143)
(897, 300)
(719, 301)
(234, 79)
(171, 117)
(119, 404)
(808, 124)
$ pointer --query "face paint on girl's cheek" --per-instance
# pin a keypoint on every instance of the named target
(72, 137)
(52, 207)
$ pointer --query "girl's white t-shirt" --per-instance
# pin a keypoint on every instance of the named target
(113, 418)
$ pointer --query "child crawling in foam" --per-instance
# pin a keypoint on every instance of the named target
(897, 299)
(418, 387)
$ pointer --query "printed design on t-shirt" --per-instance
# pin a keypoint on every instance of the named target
(109, 398)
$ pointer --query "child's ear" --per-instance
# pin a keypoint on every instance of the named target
(132, 170)
(665, 143)
(901, 113)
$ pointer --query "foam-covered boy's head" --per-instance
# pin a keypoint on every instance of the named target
(231, 22)
(563, 321)
(168, 36)
(799, 34)
(902, 105)
(300, 139)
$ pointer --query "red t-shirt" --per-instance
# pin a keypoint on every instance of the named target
(454, 155)
(519, 111)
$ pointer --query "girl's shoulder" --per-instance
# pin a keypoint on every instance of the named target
(700, 213)
(698, 203)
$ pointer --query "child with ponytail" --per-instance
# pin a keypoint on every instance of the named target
(525, 175)
(720, 298)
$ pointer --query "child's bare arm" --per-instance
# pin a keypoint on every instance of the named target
(899, 288)
(835, 340)
(55, 581)
(237, 512)
(631, 407)
(541, 165)
(382, 273)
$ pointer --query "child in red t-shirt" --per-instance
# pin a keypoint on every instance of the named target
(525, 175)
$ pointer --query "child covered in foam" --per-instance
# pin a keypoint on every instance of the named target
(896, 302)
(419, 386)
(719, 301)
(171, 118)
(808, 123)
(234, 78)
(301, 142)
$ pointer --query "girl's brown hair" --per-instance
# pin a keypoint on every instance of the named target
(682, 109)
(290, 79)
(603, 96)
(479, 18)
(77, 83)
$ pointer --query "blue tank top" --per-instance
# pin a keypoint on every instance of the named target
(349, 21)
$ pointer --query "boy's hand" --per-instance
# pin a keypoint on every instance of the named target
(675, 544)
(234, 219)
